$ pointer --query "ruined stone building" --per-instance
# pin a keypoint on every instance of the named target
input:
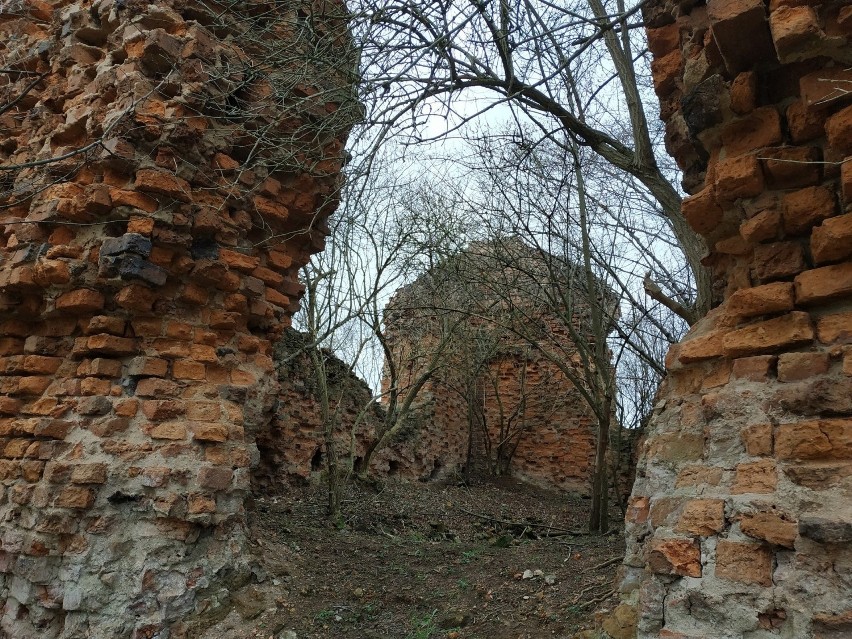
(504, 319)
(165, 168)
(740, 520)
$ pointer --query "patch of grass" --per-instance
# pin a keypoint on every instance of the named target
(325, 615)
(469, 555)
(463, 584)
(424, 626)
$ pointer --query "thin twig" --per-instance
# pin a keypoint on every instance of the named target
(608, 562)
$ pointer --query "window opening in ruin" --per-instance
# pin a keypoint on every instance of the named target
(316, 460)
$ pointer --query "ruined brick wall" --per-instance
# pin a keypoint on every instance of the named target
(162, 176)
(293, 448)
(741, 515)
(556, 430)
(489, 378)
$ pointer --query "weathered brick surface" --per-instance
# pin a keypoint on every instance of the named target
(513, 394)
(765, 492)
(135, 344)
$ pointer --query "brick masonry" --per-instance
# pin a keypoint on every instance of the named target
(148, 257)
(492, 384)
(741, 515)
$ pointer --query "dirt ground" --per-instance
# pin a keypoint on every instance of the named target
(500, 560)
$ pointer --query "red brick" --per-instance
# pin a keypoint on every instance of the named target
(282, 261)
(210, 433)
(242, 378)
(838, 129)
(778, 260)
(49, 272)
(186, 369)
(179, 330)
(172, 348)
(163, 183)
(239, 261)
(141, 225)
(136, 297)
(111, 344)
(665, 72)
(95, 386)
(271, 211)
(83, 300)
(827, 86)
(757, 440)
(805, 208)
(156, 387)
(702, 212)
(698, 476)
(794, 30)
(744, 92)
(105, 324)
(743, 563)
(772, 527)
(203, 353)
(166, 430)
(819, 439)
(161, 410)
(761, 128)
(804, 124)
(763, 226)
(846, 181)
(760, 477)
(126, 408)
(194, 294)
(832, 240)
(675, 557)
(729, 20)
(702, 517)
(761, 300)
(792, 167)
(121, 197)
(225, 162)
(147, 326)
(89, 474)
(203, 411)
(793, 367)
(738, 177)
(663, 40)
(200, 504)
(75, 497)
(213, 478)
(793, 329)
(274, 297)
(824, 284)
(148, 367)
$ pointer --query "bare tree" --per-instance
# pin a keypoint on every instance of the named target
(574, 71)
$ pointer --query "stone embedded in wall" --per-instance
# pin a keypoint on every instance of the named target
(148, 256)
(740, 513)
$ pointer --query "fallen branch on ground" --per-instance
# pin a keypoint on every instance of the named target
(551, 531)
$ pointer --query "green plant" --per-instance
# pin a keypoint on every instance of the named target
(325, 615)
(424, 626)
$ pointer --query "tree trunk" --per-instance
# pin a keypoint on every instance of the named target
(599, 519)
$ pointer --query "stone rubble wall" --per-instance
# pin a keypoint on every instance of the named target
(740, 520)
(171, 179)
